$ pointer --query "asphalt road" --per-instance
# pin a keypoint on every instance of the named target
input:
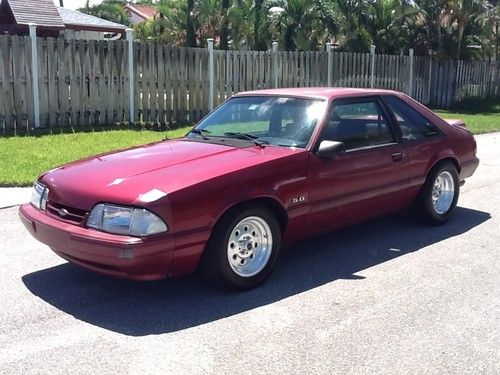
(387, 296)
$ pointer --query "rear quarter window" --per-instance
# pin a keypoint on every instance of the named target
(413, 125)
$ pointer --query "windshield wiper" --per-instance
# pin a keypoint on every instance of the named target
(249, 137)
(201, 133)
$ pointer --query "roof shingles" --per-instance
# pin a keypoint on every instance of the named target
(72, 18)
(144, 10)
(45, 14)
(41, 12)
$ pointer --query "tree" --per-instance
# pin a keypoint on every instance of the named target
(463, 13)
(111, 10)
(258, 42)
(226, 21)
(224, 27)
(170, 27)
(493, 24)
(392, 25)
(464, 29)
(356, 15)
(295, 23)
(190, 27)
(241, 18)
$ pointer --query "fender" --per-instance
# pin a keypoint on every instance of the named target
(292, 220)
(443, 154)
(268, 197)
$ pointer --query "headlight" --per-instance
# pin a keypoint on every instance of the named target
(125, 220)
(39, 196)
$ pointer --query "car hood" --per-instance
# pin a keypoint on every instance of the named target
(148, 173)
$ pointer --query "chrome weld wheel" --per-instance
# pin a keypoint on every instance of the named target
(249, 247)
(443, 192)
(244, 247)
(438, 197)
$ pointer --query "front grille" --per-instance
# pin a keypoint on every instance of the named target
(66, 213)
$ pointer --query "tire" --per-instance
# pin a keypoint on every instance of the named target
(438, 198)
(243, 249)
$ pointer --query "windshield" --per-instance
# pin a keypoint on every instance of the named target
(279, 121)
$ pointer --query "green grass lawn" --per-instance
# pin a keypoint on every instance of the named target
(480, 116)
(23, 158)
(476, 123)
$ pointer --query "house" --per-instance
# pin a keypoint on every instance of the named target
(84, 26)
(53, 21)
(16, 15)
(138, 13)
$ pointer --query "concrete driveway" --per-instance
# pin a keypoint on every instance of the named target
(387, 296)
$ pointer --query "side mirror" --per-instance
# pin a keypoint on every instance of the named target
(328, 149)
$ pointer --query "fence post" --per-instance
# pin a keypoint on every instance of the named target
(330, 63)
(430, 78)
(372, 72)
(275, 64)
(130, 42)
(210, 74)
(34, 69)
(410, 84)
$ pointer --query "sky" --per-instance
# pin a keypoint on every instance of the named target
(75, 4)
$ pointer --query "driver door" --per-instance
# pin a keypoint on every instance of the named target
(366, 180)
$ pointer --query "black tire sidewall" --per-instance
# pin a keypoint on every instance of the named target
(429, 213)
(217, 248)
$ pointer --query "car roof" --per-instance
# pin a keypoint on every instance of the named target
(318, 92)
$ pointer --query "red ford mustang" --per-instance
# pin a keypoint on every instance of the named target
(265, 168)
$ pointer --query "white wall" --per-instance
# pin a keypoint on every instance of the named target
(87, 35)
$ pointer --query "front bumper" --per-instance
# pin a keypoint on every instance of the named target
(114, 255)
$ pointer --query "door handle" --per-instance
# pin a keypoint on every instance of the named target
(398, 156)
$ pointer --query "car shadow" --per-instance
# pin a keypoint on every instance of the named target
(139, 309)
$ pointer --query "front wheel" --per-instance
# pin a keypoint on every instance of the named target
(243, 248)
(438, 198)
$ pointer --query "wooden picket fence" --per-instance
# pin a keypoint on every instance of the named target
(86, 83)
(457, 80)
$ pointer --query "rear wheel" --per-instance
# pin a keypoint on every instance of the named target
(243, 248)
(438, 198)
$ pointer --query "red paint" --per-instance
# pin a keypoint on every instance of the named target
(202, 181)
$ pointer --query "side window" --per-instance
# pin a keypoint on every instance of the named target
(360, 124)
(413, 125)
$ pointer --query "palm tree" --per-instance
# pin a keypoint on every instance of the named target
(224, 27)
(493, 23)
(207, 18)
(356, 15)
(392, 25)
(190, 27)
(258, 42)
(295, 23)
(462, 11)
(169, 27)
(111, 10)
(455, 28)
(241, 20)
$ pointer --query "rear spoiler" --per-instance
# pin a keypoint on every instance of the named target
(456, 122)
